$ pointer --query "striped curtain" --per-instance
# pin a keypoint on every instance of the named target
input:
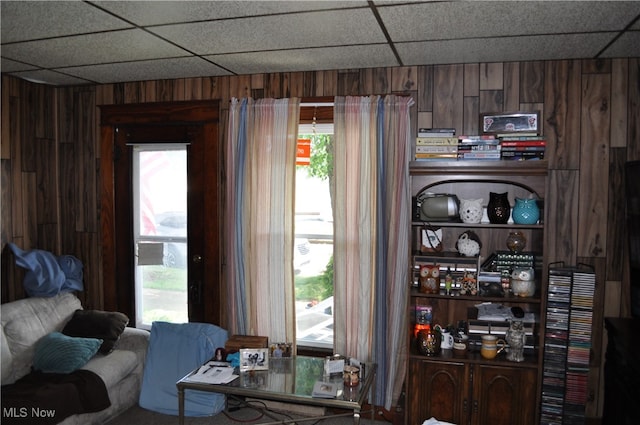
(371, 239)
(260, 167)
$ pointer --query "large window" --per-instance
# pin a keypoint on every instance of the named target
(313, 255)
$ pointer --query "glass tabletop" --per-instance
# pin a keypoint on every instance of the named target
(293, 378)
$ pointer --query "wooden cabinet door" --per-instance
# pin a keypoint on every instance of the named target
(503, 396)
(442, 391)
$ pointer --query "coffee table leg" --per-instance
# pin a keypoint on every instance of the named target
(356, 417)
(180, 406)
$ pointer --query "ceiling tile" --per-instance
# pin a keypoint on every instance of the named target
(11, 66)
(115, 46)
(455, 20)
(44, 76)
(188, 67)
(22, 20)
(627, 44)
(313, 29)
(368, 56)
(167, 12)
(569, 46)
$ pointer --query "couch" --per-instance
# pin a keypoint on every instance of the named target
(25, 322)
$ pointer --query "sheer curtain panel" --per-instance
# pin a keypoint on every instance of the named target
(261, 151)
(371, 240)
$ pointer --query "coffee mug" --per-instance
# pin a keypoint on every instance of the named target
(489, 348)
(460, 344)
(446, 342)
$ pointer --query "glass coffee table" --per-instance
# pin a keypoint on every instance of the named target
(291, 380)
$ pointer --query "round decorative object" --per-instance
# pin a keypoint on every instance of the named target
(471, 210)
(516, 241)
(428, 342)
(526, 211)
(498, 209)
(523, 283)
(469, 244)
(515, 337)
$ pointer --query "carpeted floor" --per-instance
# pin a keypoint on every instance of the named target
(244, 415)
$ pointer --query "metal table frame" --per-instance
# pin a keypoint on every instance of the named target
(351, 399)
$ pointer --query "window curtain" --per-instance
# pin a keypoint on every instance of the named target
(260, 170)
(371, 238)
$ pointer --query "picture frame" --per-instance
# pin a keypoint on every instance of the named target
(510, 122)
(280, 349)
(254, 359)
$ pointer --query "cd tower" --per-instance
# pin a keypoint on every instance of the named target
(567, 344)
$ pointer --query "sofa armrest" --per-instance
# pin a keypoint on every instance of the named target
(136, 340)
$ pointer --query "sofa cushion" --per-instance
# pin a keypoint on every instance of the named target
(59, 353)
(113, 367)
(105, 325)
(24, 322)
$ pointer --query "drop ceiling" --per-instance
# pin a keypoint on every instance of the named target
(96, 42)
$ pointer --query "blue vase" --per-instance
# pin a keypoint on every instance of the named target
(525, 211)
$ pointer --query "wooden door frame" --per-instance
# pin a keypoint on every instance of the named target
(206, 113)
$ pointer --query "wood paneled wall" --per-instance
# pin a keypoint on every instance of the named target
(591, 117)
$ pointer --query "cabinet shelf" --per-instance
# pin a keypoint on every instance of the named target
(414, 293)
(478, 225)
(474, 357)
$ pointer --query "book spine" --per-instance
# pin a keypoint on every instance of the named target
(523, 149)
(436, 155)
(437, 141)
(436, 148)
(490, 148)
(523, 143)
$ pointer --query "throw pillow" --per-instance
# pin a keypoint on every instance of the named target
(58, 353)
(105, 325)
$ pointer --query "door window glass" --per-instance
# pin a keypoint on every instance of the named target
(160, 233)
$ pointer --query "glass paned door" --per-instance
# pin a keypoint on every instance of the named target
(160, 233)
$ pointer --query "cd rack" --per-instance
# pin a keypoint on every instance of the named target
(567, 344)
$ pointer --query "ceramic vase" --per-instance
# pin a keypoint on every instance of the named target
(526, 211)
(515, 337)
(516, 241)
(498, 208)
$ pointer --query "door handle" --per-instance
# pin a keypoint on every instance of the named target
(197, 259)
(195, 292)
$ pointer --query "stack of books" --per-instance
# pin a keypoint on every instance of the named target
(436, 144)
(522, 147)
(486, 147)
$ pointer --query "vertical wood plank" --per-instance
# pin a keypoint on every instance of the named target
(347, 83)
(448, 96)
(616, 217)
(296, 84)
(619, 100)
(532, 82)
(491, 101)
(562, 113)
(594, 164)
(424, 101)
(511, 86)
(471, 125)
(329, 86)
(491, 76)
(403, 79)
(471, 79)
(310, 84)
(633, 132)
(561, 205)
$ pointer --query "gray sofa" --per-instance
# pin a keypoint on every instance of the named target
(25, 321)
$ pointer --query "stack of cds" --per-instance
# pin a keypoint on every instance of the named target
(567, 345)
